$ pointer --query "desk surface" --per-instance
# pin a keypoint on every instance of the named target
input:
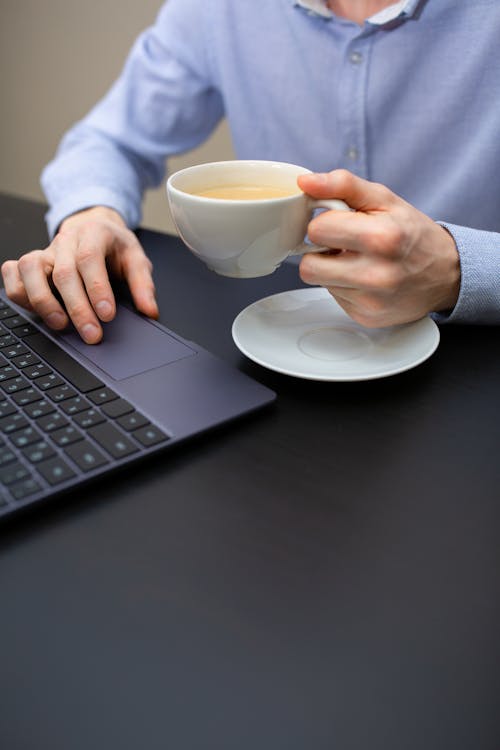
(325, 574)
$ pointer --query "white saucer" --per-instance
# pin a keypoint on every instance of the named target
(305, 333)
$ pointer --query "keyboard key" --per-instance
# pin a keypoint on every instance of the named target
(85, 455)
(36, 371)
(102, 396)
(15, 384)
(7, 339)
(24, 330)
(25, 488)
(14, 349)
(132, 421)
(39, 409)
(6, 312)
(52, 422)
(112, 440)
(89, 418)
(6, 455)
(55, 470)
(26, 397)
(6, 407)
(7, 373)
(49, 381)
(61, 392)
(117, 408)
(150, 435)
(13, 422)
(38, 452)
(66, 435)
(13, 473)
(74, 405)
(13, 321)
(72, 370)
(24, 437)
(25, 360)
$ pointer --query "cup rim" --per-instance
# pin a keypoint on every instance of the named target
(171, 187)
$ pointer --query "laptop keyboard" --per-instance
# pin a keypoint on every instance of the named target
(59, 423)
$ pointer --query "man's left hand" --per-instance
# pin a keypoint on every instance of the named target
(389, 262)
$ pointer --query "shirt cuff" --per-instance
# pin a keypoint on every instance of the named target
(87, 198)
(479, 296)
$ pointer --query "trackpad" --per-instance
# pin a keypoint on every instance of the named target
(131, 345)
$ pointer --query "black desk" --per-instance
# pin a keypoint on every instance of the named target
(325, 574)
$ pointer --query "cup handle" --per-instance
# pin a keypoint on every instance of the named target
(333, 204)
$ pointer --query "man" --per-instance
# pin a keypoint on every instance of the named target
(406, 94)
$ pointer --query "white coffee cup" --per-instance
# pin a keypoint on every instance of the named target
(244, 238)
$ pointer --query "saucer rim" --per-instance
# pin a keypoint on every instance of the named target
(314, 293)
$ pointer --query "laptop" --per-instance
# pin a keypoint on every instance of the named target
(70, 412)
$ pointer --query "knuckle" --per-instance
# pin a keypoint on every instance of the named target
(16, 292)
(7, 267)
(86, 254)
(395, 236)
(386, 239)
(372, 309)
(381, 278)
(62, 273)
(78, 311)
(97, 287)
(97, 228)
(27, 261)
(344, 177)
(38, 299)
(385, 194)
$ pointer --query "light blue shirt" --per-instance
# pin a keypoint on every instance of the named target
(410, 99)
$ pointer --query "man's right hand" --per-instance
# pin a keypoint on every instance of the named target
(76, 263)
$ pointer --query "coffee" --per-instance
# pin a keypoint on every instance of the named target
(239, 192)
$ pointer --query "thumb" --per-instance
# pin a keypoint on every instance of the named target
(358, 193)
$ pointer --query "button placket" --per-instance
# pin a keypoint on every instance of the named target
(352, 101)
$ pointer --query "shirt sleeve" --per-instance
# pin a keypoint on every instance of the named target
(479, 297)
(162, 104)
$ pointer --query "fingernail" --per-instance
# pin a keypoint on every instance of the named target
(90, 332)
(103, 309)
(55, 320)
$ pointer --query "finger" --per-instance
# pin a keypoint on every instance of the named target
(137, 270)
(369, 310)
(325, 269)
(93, 244)
(70, 286)
(345, 229)
(353, 272)
(34, 270)
(358, 193)
(384, 234)
(13, 284)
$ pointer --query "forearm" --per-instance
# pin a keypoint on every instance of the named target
(479, 296)
(89, 170)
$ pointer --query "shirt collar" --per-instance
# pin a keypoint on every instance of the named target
(396, 10)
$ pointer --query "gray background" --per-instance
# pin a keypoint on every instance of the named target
(57, 58)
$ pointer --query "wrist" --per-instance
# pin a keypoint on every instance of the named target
(451, 274)
(94, 212)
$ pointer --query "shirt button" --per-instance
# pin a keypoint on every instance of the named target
(352, 153)
(356, 58)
